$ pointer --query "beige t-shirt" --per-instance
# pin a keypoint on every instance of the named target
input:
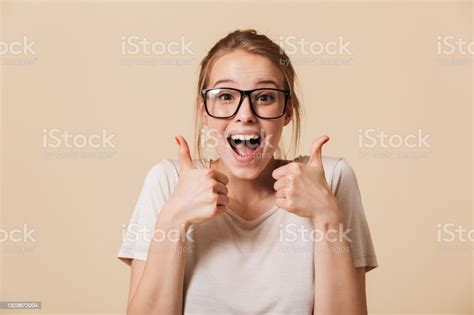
(262, 266)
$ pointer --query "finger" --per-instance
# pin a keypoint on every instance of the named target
(221, 209)
(281, 183)
(222, 200)
(185, 160)
(281, 193)
(315, 157)
(282, 203)
(221, 189)
(220, 177)
(280, 172)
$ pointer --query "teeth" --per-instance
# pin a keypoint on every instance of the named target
(244, 137)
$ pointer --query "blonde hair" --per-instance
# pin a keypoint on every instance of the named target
(251, 42)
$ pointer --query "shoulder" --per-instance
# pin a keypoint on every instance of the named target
(196, 162)
(163, 166)
(163, 172)
(169, 168)
(330, 163)
(161, 179)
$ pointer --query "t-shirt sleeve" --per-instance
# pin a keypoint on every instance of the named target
(157, 188)
(349, 198)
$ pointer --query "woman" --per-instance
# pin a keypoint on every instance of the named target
(248, 233)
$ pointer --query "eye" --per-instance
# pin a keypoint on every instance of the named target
(226, 97)
(265, 98)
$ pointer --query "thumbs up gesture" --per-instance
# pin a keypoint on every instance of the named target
(302, 189)
(200, 194)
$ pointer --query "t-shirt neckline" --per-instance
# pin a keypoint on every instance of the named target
(254, 222)
(263, 216)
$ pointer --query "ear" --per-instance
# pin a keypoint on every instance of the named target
(289, 112)
(204, 116)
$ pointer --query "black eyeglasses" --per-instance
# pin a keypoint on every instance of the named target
(266, 103)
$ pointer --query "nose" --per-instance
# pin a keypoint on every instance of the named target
(245, 113)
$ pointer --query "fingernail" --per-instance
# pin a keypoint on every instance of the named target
(177, 140)
(326, 140)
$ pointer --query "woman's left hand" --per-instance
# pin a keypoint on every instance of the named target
(302, 189)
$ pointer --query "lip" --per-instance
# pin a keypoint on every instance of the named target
(248, 158)
(243, 132)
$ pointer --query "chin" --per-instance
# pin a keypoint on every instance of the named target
(248, 173)
(245, 168)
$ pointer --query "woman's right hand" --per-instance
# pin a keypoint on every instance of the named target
(200, 193)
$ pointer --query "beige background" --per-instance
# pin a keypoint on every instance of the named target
(394, 81)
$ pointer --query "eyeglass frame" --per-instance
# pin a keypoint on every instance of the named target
(244, 93)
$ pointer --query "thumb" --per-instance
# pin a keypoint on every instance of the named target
(315, 157)
(185, 160)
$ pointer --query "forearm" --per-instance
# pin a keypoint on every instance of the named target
(160, 290)
(337, 288)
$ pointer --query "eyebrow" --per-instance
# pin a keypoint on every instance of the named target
(259, 82)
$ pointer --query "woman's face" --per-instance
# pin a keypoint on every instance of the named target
(242, 157)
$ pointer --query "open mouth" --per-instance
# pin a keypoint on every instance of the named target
(244, 145)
